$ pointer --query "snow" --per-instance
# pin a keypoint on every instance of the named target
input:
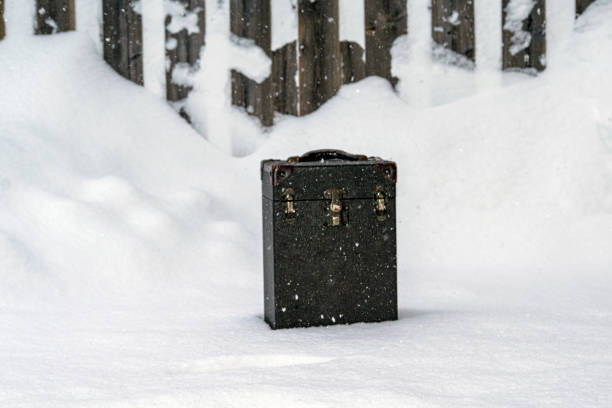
(130, 245)
(154, 43)
(249, 59)
(182, 19)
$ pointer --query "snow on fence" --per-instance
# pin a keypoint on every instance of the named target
(251, 19)
(524, 34)
(185, 36)
(452, 23)
(307, 72)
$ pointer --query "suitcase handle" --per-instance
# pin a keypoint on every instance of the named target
(326, 154)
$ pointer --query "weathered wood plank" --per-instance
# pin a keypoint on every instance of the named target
(353, 63)
(581, 6)
(122, 38)
(385, 20)
(256, 98)
(54, 16)
(453, 26)
(284, 73)
(524, 37)
(251, 19)
(185, 37)
(2, 24)
(319, 59)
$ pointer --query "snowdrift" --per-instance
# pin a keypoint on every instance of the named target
(130, 248)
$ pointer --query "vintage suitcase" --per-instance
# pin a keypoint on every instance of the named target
(329, 239)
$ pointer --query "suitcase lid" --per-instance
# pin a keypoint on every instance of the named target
(311, 175)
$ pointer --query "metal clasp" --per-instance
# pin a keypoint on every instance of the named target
(381, 205)
(289, 198)
(335, 205)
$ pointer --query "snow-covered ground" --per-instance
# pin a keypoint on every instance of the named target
(130, 245)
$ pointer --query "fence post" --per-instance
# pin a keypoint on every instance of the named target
(251, 19)
(353, 65)
(385, 20)
(524, 36)
(284, 71)
(2, 26)
(319, 58)
(54, 16)
(581, 6)
(185, 35)
(122, 38)
(453, 26)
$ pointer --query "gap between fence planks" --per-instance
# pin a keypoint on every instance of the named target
(524, 42)
(122, 38)
(54, 16)
(386, 20)
(2, 25)
(581, 6)
(453, 26)
(183, 45)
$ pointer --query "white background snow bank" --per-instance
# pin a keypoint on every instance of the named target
(130, 249)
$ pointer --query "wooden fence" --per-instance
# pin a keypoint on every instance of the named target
(307, 72)
(2, 25)
(55, 16)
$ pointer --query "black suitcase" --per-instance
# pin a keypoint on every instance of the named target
(329, 238)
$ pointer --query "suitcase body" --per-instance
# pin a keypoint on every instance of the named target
(329, 240)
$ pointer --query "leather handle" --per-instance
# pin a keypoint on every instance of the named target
(326, 154)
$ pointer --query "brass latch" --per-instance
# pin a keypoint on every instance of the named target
(289, 198)
(381, 205)
(335, 205)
